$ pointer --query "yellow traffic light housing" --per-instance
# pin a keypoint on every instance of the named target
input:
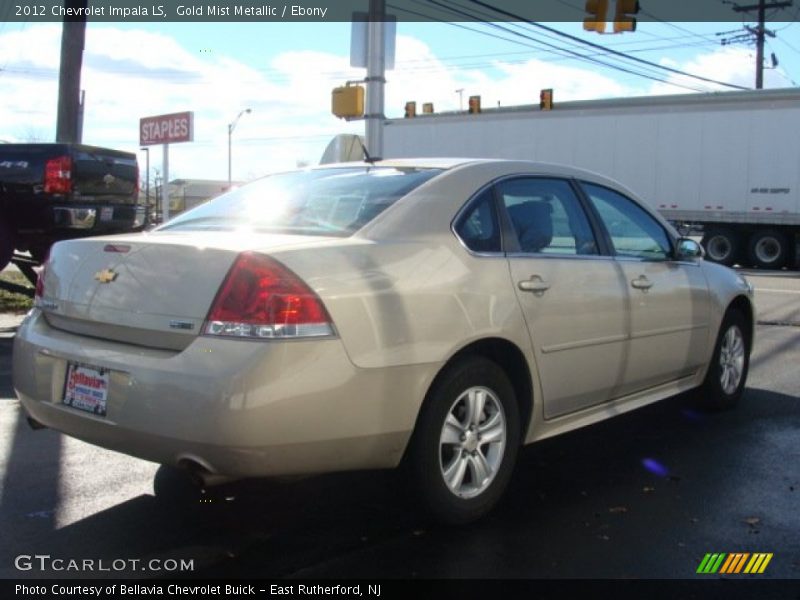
(347, 102)
(546, 99)
(411, 110)
(596, 11)
(624, 19)
(474, 104)
(427, 108)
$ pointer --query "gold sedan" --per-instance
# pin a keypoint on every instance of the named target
(439, 313)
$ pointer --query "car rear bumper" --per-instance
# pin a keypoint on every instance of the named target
(99, 218)
(236, 408)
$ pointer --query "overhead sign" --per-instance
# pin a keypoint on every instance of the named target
(166, 129)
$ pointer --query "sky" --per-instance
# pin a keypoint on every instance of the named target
(285, 73)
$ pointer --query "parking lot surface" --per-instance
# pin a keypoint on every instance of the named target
(646, 495)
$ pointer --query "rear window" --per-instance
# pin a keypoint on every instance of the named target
(335, 202)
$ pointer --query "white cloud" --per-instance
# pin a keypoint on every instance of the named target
(730, 65)
(129, 74)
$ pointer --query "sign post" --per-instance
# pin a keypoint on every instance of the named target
(166, 129)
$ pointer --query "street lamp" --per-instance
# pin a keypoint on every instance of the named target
(231, 127)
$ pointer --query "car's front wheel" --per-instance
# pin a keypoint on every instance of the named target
(727, 373)
(466, 442)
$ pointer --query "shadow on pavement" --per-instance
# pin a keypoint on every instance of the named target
(6, 346)
(644, 495)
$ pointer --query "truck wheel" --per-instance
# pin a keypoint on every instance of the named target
(768, 249)
(6, 243)
(466, 441)
(722, 246)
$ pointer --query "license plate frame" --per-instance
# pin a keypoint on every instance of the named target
(86, 388)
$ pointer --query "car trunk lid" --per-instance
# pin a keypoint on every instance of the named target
(153, 290)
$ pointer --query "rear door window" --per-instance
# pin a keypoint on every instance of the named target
(547, 217)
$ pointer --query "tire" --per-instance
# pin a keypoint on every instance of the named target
(722, 246)
(176, 487)
(7, 242)
(727, 373)
(768, 249)
(477, 453)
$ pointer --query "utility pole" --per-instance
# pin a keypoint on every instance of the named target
(376, 80)
(73, 36)
(760, 32)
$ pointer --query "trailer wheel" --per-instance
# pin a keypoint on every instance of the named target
(722, 246)
(768, 249)
(6, 243)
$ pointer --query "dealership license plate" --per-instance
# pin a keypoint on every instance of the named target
(86, 388)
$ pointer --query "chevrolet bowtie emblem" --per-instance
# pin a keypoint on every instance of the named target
(105, 276)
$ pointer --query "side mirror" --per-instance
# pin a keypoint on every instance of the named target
(688, 249)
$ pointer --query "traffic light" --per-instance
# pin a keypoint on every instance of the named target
(427, 108)
(596, 15)
(546, 99)
(474, 104)
(347, 102)
(624, 12)
(411, 110)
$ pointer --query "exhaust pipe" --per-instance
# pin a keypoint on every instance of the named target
(202, 475)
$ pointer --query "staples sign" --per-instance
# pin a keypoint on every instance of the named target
(166, 129)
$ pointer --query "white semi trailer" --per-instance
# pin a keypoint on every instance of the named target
(727, 163)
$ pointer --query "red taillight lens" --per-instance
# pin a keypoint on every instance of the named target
(262, 299)
(58, 175)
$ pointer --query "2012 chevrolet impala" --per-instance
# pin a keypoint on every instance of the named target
(439, 313)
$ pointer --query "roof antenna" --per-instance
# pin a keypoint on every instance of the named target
(367, 157)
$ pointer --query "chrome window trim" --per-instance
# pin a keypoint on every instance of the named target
(667, 260)
(540, 255)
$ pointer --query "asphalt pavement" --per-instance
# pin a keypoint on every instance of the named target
(645, 495)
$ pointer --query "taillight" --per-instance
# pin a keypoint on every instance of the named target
(262, 299)
(58, 175)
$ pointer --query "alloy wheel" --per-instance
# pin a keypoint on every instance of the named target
(472, 442)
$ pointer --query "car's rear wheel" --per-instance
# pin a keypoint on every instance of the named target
(6, 242)
(727, 373)
(466, 442)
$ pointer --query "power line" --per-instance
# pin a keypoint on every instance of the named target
(561, 50)
(611, 51)
(564, 51)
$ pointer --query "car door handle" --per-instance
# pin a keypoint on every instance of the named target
(535, 284)
(642, 283)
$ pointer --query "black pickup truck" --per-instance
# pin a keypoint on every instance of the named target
(52, 192)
